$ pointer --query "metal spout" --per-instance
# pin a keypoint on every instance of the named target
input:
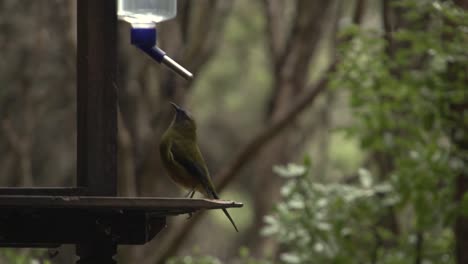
(177, 68)
(145, 39)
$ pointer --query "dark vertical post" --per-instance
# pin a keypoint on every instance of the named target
(97, 113)
(97, 97)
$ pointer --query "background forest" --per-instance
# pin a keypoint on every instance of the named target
(341, 126)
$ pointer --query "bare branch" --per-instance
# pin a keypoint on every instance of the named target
(16, 143)
(386, 19)
(359, 11)
(21, 147)
(292, 67)
(126, 173)
(273, 10)
(462, 3)
(251, 149)
(305, 34)
(205, 34)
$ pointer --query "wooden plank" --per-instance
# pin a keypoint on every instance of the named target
(70, 226)
(93, 222)
(41, 191)
(176, 205)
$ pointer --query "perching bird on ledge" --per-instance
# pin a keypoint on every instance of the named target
(182, 157)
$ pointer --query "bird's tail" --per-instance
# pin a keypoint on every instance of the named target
(215, 196)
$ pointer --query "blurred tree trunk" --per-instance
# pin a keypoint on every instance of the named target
(460, 228)
(36, 77)
(126, 185)
(325, 122)
(21, 147)
(462, 3)
(392, 20)
(291, 51)
(460, 138)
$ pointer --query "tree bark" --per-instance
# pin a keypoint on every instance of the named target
(460, 138)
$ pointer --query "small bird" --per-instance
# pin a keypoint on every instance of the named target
(182, 157)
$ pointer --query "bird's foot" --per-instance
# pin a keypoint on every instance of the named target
(190, 194)
(189, 216)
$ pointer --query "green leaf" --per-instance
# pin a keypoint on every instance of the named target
(290, 258)
(365, 177)
(290, 171)
(271, 226)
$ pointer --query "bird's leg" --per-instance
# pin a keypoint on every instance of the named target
(190, 195)
(189, 215)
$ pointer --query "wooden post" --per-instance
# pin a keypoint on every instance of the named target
(97, 111)
(97, 97)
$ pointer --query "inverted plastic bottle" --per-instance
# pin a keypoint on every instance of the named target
(146, 11)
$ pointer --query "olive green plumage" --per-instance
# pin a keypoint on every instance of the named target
(182, 157)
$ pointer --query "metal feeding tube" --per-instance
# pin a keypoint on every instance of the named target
(144, 37)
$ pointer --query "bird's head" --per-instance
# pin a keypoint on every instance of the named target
(183, 120)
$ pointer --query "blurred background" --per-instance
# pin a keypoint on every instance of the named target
(341, 126)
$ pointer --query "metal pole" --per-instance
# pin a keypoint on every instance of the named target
(97, 112)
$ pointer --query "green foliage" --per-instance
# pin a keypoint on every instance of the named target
(344, 223)
(404, 97)
(345, 153)
(333, 223)
(195, 260)
(244, 258)
(12, 256)
(404, 102)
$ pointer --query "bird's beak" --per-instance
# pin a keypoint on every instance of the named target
(176, 107)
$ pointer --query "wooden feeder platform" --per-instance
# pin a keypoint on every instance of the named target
(51, 220)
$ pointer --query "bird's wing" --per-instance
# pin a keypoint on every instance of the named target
(193, 163)
(192, 166)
